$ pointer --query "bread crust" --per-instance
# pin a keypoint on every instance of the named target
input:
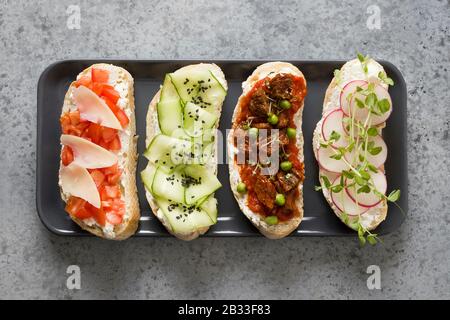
(152, 129)
(379, 212)
(128, 178)
(281, 229)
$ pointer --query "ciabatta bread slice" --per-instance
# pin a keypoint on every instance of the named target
(123, 83)
(351, 70)
(153, 129)
(281, 229)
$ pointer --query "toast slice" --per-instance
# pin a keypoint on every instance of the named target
(351, 70)
(153, 129)
(122, 81)
(281, 229)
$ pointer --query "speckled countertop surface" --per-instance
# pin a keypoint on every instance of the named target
(414, 261)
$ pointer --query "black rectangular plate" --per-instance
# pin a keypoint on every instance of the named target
(318, 220)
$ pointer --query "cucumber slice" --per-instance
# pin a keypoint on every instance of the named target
(170, 116)
(196, 120)
(165, 151)
(200, 182)
(210, 207)
(200, 87)
(208, 153)
(168, 185)
(182, 218)
(170, 110)
(147, 176)
(168, 91)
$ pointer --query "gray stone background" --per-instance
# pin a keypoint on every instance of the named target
(414, 261)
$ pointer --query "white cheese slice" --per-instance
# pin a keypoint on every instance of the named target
(87, 154)
(77, 181)
(94, 109)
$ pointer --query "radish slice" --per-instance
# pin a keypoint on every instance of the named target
(333, 122)
(349, 89)
(362, 113)
(346, 204)
(379, 159)
(382, 93)
(330, 164)
(370, 199)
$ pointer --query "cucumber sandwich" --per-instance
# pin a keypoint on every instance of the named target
(180, 177)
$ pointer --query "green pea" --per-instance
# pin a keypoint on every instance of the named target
(271, 220)
(241, 187)
(279, 199)
(273, 119)
(285, 104)
(286, 166)
(291, 133)
(253, 132)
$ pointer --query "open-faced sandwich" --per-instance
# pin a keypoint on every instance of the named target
(180, 178)
(265, 149)
(349, 146)
(98, 156)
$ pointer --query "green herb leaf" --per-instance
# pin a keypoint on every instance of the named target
(347, 174)
(372, 131)
(372, 168)
(361, 58)
(364, 175)
(372, 239)
(317, 188)
(362, 241)
(364, 189)
(375, 151)
(394, 196)
(383, 77)
(337, 188)
(326, 182)
(371, 99)
(384, 105)
(336, 156)
(360, 181)
(344, 217)
(335, 136)
(359, 103)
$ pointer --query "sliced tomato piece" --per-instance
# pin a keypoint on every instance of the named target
(110, 104)
(108, 134)
(115, 144)
(98, 177)
(82, 213)
(97, 88)
(113, 218)
(111, 170)
(74, 204)
(122, 117)
(67, 155)
(118, 206)
(74, 117)
(112, 191)
(100, 216)
(94, 132)
(99, 75)
(114, 178)
(83, 81)
(119, 113)
(97, 214)
(110, 93)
